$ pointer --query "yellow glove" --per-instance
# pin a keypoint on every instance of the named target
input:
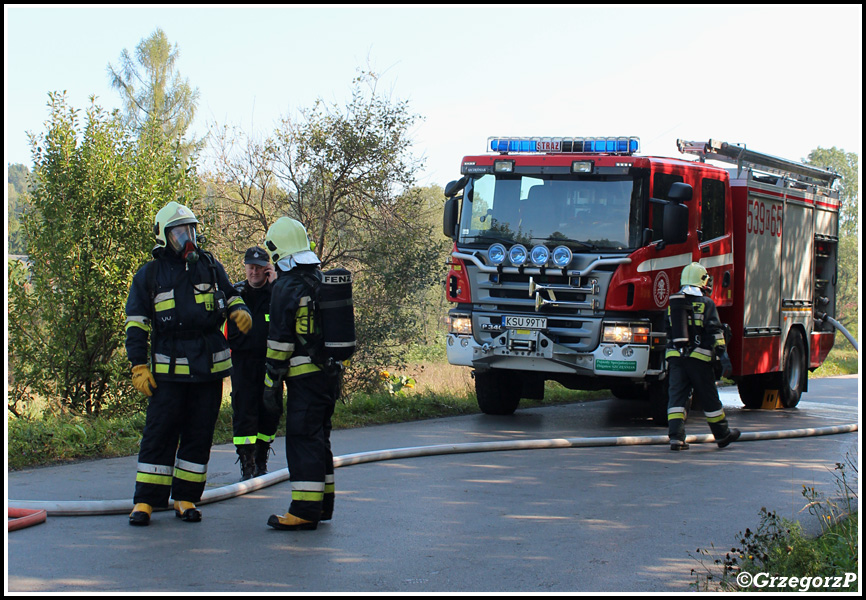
(143, 380)
(242, 319)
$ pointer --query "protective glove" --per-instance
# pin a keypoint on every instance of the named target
(272, 399)
(242, 319)
(143, 380)
(727, 367)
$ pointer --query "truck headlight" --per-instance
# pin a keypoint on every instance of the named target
(625, 334)
(460, 325)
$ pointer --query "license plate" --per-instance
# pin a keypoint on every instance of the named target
(526, 322)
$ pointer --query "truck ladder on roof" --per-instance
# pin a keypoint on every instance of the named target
(743, 158)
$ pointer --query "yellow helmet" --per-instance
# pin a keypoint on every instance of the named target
(695, 274)
(174, 227)
(287, 238)
(171, 215)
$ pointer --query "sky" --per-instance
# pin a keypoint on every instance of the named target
(782, 81)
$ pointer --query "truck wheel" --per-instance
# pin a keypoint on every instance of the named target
(498, 391)
(751, 388)
(792, 379)
(628, 391)
(658, 398)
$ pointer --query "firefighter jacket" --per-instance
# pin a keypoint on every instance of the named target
(258, 301)
(705, 333)
(181, 308)
(293, 324)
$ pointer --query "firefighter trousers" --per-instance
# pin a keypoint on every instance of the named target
(184, 412)
(687, 375)
(310, 401)
(250, 421)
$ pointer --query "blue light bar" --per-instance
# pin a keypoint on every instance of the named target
(512, 145)
(602, 145)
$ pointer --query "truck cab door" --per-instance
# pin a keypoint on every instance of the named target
(716, 239)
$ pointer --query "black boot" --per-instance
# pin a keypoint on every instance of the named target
(732, 436)
(246, 456)
(262, 450)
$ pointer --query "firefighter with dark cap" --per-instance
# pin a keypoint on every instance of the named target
(178, 301)
(695, 336)
(311, 389)
(254, 428)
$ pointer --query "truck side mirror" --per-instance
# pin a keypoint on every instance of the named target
(455, 186)
(680, 192)
(449, 217)
(675, 226)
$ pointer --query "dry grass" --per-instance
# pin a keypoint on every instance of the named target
(442, 378)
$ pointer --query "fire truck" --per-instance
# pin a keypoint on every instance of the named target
(566, 251)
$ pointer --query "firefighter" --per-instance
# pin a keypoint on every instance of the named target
(695, 335)
(179, 300)
(253, 427)
(311, 389)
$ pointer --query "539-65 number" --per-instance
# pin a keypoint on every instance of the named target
(762, 219)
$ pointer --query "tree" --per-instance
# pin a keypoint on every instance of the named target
(846, 164)
(153, 90)
(17, 204)
(347, 175)
(94, 195)
(848, 252)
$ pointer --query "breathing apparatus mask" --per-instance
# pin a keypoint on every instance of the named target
(182, 240)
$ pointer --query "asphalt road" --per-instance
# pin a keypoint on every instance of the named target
(589, 519)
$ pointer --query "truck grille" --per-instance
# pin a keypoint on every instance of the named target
(576, 325)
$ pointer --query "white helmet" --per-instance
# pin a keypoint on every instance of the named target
(287, 239)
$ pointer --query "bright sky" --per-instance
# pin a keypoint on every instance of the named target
(782, 79)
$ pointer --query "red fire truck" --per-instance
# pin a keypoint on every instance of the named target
(566, 251)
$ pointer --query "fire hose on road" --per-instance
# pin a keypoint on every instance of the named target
(109, 507)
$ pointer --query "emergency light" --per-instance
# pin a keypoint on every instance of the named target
(600, 145)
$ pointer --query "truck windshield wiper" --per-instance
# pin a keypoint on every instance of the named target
(491, 238)
(554, 240)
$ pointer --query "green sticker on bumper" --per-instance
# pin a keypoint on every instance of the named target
(616, 365)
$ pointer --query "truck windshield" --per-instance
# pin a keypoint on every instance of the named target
(584, 212)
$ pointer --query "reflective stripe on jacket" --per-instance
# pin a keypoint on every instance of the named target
(181, 318)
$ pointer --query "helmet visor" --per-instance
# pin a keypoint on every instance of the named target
(181, 235)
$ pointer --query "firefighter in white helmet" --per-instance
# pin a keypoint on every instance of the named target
(311, 390)
(178, 301)
(695, 335)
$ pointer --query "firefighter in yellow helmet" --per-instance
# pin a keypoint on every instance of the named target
(311, 388)
(178, 301)
(695, 334)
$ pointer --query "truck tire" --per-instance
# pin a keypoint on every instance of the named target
(628, 391)
(792, 379)
(498, 391)
(658, 399)
(752, 388)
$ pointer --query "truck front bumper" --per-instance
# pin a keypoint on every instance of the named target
(534, 351)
